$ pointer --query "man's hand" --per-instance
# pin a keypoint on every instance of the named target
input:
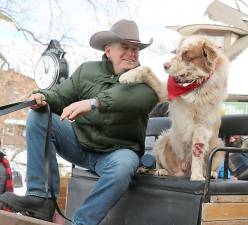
(75, 110)
(40, 100)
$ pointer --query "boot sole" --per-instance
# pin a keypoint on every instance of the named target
(28, 212)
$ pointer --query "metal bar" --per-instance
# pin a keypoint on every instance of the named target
(209, 165)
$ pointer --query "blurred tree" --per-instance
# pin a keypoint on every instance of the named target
(69, 22)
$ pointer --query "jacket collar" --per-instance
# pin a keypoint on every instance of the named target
(107, 64)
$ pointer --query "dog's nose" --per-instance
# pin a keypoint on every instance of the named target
(167, 65)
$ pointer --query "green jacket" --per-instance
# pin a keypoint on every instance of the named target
(121, 120)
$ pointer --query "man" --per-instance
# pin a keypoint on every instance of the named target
(238, 162)
(101, 127)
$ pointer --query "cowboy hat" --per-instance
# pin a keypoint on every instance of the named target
(123, 30)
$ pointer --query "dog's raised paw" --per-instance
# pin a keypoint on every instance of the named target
(134, 76)
(130, 77)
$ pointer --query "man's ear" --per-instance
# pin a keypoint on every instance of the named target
(208, 54)
(107, 50)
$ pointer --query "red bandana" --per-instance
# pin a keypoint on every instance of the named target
(175, 89)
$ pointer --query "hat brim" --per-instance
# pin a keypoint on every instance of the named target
(100, 39)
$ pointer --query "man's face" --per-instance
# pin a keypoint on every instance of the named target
(233, 141)
(124, 56)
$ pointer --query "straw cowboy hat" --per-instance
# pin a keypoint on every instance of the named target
(123, 30)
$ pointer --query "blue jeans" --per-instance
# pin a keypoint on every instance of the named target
(115, 168)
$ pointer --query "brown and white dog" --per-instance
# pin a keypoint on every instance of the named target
(196, 89)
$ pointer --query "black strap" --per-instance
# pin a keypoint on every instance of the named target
(5, 109)
(48, 152)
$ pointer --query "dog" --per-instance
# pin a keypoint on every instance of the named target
(196, 89)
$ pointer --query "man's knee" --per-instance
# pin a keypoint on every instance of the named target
(35, 115)
(124, 164)
(36, 119)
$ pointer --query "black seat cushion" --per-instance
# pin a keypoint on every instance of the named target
(217, 187)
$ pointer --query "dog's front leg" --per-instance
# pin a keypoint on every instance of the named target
(218, 158)
(197, 168)
(135, 75)
(143, 74)
(200, 147)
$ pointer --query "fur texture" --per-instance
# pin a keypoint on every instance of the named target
(195, 116)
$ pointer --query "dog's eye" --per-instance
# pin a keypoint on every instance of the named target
(189, 56)
(185, 55)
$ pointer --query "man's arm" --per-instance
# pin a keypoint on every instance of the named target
(133, 98)
(61, 95)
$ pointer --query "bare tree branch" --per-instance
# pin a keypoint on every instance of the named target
(64, 37)
(237, 5)
(3, 61)
(27, 32)
(51, 19)
(244, 3)
(94, 9)
(5, 17)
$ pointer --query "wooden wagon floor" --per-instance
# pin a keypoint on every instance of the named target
(8, 218)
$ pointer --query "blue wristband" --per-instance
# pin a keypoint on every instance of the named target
(92, 103)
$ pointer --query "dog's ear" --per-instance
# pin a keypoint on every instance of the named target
(180, 43)
(208, 53)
